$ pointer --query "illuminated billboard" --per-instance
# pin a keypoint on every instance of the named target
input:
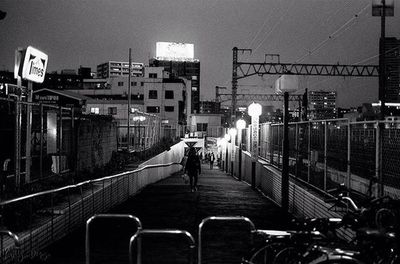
(174, 51)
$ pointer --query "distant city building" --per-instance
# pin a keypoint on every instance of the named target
(156, 93)
(392, 62)
(210, 107)
(119, 68)
(186, 69)
(322, 104)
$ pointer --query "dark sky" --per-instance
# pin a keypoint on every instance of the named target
(89, 32)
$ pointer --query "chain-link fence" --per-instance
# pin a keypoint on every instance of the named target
(37, 144)
(325, 153)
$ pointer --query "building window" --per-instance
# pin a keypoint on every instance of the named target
(120, 83)
(153, 109)
(95, 110)
(141, 83)
(112, 110)
(152, 75)
(169, 94)
(152, 94)
(133, 83)
(169, 109)
(202, 127)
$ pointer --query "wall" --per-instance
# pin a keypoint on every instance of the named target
(96, 140)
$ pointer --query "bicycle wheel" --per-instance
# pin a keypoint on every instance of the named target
(385, 218)
(288, 255)
(266, 254)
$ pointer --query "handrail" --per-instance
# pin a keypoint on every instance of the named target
(10, 234)
(220, 218)
(135, 221)
(85, 182)
(138, 234)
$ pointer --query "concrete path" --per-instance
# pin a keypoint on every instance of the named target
(170, 204)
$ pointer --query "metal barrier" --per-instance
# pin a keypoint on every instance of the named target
(10, 234)
(114, 217)
(220, 218)
(67, 207)
(142, 232)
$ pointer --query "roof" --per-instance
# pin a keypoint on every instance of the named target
(65, 93)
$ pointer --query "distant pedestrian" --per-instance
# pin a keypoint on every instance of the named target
(193, 168)
(211, 159)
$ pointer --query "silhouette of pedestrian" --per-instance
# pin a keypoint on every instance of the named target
(193, 168)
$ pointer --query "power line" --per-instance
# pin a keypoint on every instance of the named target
(332, 35)
(261, 28)
(273, 28)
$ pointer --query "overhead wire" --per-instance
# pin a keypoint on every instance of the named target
(332, 35)
(274, 26)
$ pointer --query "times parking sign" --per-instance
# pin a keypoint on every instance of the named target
(34, 65)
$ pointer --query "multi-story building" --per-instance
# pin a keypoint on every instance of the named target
(392, 62)
(119, 68)
(210, 107)
(190, 70)
(322, 104)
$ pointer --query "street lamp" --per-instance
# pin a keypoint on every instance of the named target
(232, 133)
(240, 124)
(227, 137)
(254, 111)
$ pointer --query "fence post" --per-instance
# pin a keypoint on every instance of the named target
(41, 142)
(348, 154)
(325, 153)
(378, 158)
(271, 143)
(297, 151)
(309, 152)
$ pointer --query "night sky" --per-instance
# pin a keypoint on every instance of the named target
(89, 32)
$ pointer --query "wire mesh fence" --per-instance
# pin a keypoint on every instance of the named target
(326, 153)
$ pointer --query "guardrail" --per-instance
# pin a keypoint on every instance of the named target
(44, 217)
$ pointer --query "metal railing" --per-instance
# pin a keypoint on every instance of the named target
(140, 233)
(220, 218)
(64, 209)
(133, 224)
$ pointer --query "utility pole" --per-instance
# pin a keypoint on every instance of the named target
(235, 82)
(129, 98)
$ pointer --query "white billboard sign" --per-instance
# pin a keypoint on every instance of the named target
(34, 65)
(287, 83)
(174, 51)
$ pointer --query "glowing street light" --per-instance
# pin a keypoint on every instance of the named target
(254, 111)
(240, 124)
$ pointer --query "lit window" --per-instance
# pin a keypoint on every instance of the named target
(95, 110)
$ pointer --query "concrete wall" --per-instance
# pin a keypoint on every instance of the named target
(97, 139)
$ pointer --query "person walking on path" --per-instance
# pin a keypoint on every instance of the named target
(211, 159)
(193, 168)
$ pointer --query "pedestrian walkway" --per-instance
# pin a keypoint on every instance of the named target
(170, 204)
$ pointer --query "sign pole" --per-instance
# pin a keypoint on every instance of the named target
(28, 159)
